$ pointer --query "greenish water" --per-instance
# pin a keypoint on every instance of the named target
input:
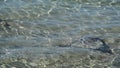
(38, 27)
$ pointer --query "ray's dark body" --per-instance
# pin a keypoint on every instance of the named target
(104, 47)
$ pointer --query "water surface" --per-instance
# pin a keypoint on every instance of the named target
(49, 24)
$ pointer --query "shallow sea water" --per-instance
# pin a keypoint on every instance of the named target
(46, 34)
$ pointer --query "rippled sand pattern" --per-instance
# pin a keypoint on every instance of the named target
(48, 33)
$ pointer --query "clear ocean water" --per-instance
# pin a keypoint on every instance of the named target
(39, 27)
